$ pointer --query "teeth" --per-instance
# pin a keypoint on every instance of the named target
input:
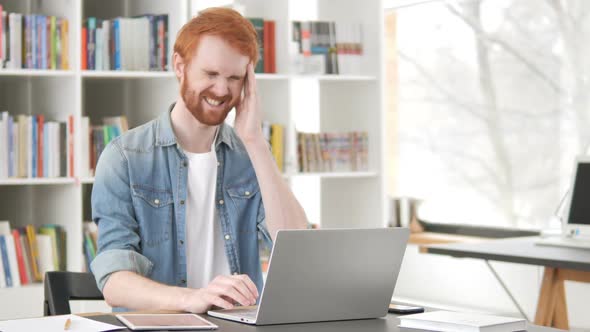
(213, 101)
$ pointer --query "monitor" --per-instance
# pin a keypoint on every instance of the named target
(577, 223)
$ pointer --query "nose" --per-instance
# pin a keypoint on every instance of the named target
(220, 87)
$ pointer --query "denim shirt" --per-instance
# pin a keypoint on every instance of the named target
(138, 203)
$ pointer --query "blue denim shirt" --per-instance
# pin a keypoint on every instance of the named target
(138, 202)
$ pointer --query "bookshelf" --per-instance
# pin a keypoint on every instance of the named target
(311, 103)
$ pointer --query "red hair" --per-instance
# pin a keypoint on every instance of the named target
(226, 23)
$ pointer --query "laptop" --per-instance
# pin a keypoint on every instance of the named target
(576, 226)
(327, 275)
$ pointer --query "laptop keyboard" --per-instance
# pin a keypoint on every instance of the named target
(243, 312)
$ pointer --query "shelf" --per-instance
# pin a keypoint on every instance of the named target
(335, 174)
(28, 287)
(36, 181)
(36, 73)
(88, 180)
(126, 74)
(338, 78)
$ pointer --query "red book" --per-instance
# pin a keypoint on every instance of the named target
(272, 57)
(40, 126)
(71, 145)
(84, 60)
(20, 258)
(266, 46)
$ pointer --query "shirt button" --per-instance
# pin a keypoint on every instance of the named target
(227, 237)
(185, 164)
(156, 201)
(181, 242)
(221, 202)
(247, 193)
(235, 273)
(183, 281)
(182, 202)
(218, 164)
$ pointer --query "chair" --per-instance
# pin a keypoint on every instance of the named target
(61, 287)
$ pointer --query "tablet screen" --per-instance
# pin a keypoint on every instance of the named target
(165, 321)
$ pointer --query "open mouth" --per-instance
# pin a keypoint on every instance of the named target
(214, 102)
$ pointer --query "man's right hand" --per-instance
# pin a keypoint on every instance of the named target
(222, 292)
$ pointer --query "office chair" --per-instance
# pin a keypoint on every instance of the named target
(61, 287)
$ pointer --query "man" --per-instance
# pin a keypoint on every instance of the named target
(180, 201)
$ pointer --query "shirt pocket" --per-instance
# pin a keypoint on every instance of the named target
(154, 211)
(245, 199)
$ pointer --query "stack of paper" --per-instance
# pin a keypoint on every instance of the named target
(56, 323)
(448, 321)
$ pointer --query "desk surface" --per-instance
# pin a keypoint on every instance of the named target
(517, 250)
(387, 324)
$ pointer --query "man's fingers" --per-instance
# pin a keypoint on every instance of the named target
(220, 302)
(249, 283)
(228, 289)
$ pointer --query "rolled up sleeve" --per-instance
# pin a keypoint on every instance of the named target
(112, 211)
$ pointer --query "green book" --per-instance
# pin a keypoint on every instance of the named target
(258, 24)
(53, 233)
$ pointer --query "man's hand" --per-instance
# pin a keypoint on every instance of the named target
(223, 292)
(248, 123)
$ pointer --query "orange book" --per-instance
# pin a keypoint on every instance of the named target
(84, 58)
(34, 252)
(20, 258)
(266, 46)
(272, 53)
(40, 150)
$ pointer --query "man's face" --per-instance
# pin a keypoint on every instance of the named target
(212, 81)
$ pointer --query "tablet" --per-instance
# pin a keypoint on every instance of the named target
(165, 322)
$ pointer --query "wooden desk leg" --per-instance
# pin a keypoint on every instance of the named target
(560, 319)
(546, 302)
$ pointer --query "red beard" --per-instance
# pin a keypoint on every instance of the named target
(194, 104)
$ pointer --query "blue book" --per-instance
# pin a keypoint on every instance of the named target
(117, 34)
(33, 41)
(44, 51)
(5, 260)
(34, 145)
(91, 43)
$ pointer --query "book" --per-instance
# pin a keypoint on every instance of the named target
(449, 321)
(20, 256)
(34, 252)
(46, 263)
(258, 24)
(11, 252)
(5, 261)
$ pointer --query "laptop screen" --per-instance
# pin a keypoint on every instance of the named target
(580, 207)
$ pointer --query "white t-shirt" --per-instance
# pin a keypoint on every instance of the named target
(205, 252)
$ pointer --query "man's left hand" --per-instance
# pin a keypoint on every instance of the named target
(248, 123)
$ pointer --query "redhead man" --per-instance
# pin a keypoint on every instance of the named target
(180, 201)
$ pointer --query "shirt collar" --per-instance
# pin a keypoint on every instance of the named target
(165, 134)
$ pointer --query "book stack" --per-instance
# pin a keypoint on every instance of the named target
(33, 41)
(125, 43)
(27, 253)
(265, 31)
(449, 321)
(95, 139)
(274, 134)
(31, 147)
(326, 47)
(333, 152)
(90, 242)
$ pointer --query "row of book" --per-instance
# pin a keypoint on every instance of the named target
(33, 41)
(327, 47)
(26, 253)
(333, 152)
(31, 147)
(126, 43)
(96, 137)
(265, 32)
(274, 134)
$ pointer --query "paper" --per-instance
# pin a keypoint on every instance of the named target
(56, 323)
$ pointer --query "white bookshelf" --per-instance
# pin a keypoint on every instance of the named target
(331, 102)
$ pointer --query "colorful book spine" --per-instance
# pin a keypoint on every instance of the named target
(5, 261)
(20, 257)
(34, 252)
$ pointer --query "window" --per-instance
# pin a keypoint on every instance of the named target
(493, 106)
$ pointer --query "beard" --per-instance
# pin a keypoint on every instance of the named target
(195, 104)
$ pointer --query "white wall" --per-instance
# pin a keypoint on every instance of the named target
(468, 284)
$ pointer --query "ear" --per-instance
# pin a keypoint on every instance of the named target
(179, 66)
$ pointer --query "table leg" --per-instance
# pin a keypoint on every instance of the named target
(546, 302)
(560, 319)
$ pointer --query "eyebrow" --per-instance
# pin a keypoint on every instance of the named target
(213, 72)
